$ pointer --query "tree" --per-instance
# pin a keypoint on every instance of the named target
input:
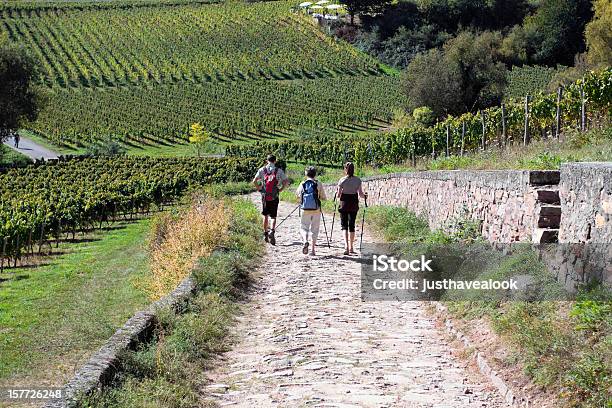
(430, 81)
(355, 7)
(555, 33)
(198, 136)
(467, 74)
(598, 35)
(18, 98)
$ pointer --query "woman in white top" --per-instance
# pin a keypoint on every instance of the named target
(349, 191)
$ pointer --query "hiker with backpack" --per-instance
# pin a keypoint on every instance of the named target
(270, 181)
(349, 191)
(310, 193)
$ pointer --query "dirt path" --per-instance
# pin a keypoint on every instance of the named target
(31, 149)
(306, 339)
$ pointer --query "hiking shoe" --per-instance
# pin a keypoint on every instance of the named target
(312, 253)
(266, 236)
(346, 252)
(271, 237)
(352, 252)
(305, 248)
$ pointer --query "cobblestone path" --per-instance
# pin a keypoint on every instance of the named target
(306, 339)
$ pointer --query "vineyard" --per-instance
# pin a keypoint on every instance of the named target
(528, 79)
(122, 45)
(235, 111)
(143, 72)
(38, 203)
(511, 123)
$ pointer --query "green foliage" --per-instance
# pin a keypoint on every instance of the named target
(198, 43)
(400, 145)
(243, 111)
(598, 36)
(81, 194)
(398, 224)
(543, 161)
(555, 32)
(528, 80)
(106, 147)
(18, 99)
(467, 74)
(590, 314)
(424, 116)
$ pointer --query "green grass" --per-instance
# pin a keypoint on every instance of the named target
(169, 371)
(53, 316)
(10, 157)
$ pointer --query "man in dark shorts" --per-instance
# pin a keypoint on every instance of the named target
(270, 180)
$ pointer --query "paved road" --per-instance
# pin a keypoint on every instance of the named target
(306, 339)
(31, 149)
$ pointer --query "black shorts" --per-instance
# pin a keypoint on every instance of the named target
(347, 220)
(269, 208)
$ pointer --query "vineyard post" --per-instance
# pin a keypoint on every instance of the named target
(558, 121)
(484, 130)
(526, 133)
(433, 147)
(3, 254)
(462, 137)
(582, 110)
(40, 239)
(503, 118)
(17, 254)
(447, 140)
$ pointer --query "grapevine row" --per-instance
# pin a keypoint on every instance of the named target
(234, 111)
(37, 202)
(469, 132)
(105, 46)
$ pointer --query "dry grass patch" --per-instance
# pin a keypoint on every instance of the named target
(178, 242)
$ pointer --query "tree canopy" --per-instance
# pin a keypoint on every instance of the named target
(466, 74)
(18, 99)
(598, 35)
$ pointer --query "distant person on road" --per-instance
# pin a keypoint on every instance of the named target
(310, 193)
(349, 191)
(270, 180)
(16, 139)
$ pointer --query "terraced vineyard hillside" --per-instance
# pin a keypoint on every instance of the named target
(144, 72)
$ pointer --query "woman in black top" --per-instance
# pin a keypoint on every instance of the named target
(349, 191)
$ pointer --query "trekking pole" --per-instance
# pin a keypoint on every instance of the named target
(363, 222)
(283, 220)
(325, 229)
(331, 233)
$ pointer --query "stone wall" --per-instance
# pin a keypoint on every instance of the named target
(505, 202)
(586, 203)
(572, 207)
(586, 223)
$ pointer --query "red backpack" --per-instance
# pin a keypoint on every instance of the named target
(270, 184)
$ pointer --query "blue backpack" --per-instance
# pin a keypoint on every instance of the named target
(310, 196)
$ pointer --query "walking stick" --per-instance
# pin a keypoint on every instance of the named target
(363, 222)
(325, 229)
(280, 223)
(331, 233)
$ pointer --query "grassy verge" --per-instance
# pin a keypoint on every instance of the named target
(168, 371)
(564, 347)
(52, 316)
(10, 157)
